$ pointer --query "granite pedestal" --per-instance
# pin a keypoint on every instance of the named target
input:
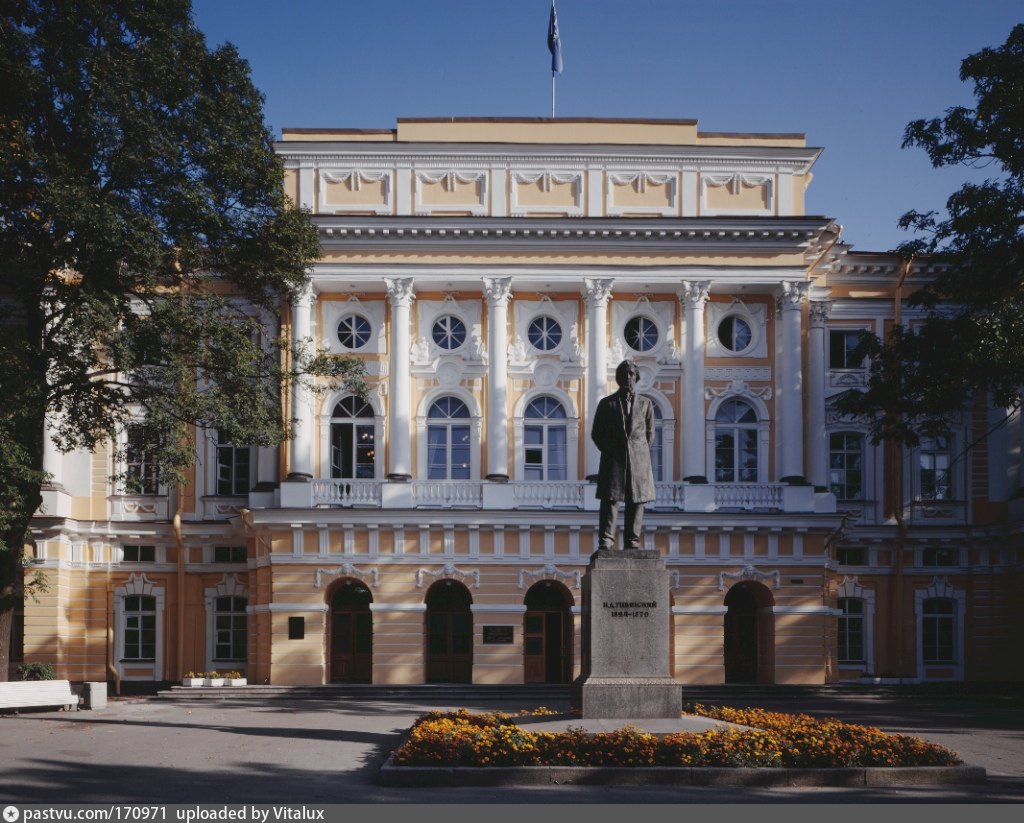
(627, 621)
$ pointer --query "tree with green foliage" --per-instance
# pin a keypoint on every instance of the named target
(970, 342)
(146, 249)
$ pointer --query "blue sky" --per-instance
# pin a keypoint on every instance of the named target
(849, 75)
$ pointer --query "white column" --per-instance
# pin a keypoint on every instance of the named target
(498, 291)
(597, 294)
(400, 389)
(301, 466)
(817, 437)
(791, 426)
(693, 296)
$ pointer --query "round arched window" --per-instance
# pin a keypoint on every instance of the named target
(735, 333)
(544, 333)
(354, 331)
(449, 332)
(641, 333)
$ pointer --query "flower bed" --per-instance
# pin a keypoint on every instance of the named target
(462, 738)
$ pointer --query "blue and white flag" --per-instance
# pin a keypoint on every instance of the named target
(554, 42)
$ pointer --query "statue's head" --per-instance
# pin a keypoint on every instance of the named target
(627, 375)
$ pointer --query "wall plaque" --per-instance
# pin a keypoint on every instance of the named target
(495, 635)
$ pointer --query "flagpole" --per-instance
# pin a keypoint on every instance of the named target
(552, 95)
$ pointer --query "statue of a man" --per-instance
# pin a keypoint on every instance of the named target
(623, 431)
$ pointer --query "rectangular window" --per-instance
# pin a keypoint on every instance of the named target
(230, 628)
(851, 630)
(142, 474)
(234, 465)
(934, 461)
(937, 630)
(657, 465)
(846, 461)
(230, 554)
(851, 556)
(139, 627)
(841, 346)
(139, 554)
(939, 556)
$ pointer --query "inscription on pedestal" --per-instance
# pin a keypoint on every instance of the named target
(626, 626)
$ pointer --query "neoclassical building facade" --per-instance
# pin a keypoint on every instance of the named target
(491, 274)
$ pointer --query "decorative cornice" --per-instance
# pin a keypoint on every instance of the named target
(768, 234)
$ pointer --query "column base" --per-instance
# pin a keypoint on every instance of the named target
(695, 478)
(497, 478)
(795, 480)
(397, 477)
(299, 477)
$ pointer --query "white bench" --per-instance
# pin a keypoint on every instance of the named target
(37, 694)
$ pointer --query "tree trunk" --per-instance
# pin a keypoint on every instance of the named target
(12, 592)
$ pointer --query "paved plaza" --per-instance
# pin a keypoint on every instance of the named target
(150, 750)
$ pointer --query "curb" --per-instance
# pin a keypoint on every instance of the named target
(432, 776)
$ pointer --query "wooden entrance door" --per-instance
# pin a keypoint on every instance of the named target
(351, 634)
(449, 633)
(547, 635)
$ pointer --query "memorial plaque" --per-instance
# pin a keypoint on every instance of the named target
(498, 635)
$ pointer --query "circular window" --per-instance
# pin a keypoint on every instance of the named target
(545, 333)
(641, 334)
(734, 333)
(449, 332)
(354, 331)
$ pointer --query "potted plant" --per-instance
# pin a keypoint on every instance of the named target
(192, 679)
(234, 679)
(214, 678)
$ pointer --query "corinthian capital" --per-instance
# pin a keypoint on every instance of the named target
(819, 313)
(399, 290)
(597, 291)
(694, 293)
(498, 290)
(792, 295)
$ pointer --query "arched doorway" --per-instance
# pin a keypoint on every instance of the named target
(547, 634)
(449, 633)
(749, 634)
(351, 639)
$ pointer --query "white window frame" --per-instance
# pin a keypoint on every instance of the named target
(326, 417)
(230, 585)
(762, 428)
(941, 587)
(852, 588)
(572, 433)
(475, 422)
(138, 585)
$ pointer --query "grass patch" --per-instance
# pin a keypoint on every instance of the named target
(463, 738)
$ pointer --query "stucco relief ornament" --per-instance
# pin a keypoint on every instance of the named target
(738, 387)
(672, 356)
(347, 570)
(475, 350)
(550, 571)
(574, 352)
(517, 351)
(748, 572)
(419, 352)
(616, 354)
(449, 570)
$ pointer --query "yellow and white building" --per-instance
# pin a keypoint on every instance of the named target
(491, 274)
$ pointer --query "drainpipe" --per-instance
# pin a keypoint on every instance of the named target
(111, 668)
(176, 524)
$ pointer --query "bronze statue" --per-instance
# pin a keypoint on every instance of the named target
(623, 431)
